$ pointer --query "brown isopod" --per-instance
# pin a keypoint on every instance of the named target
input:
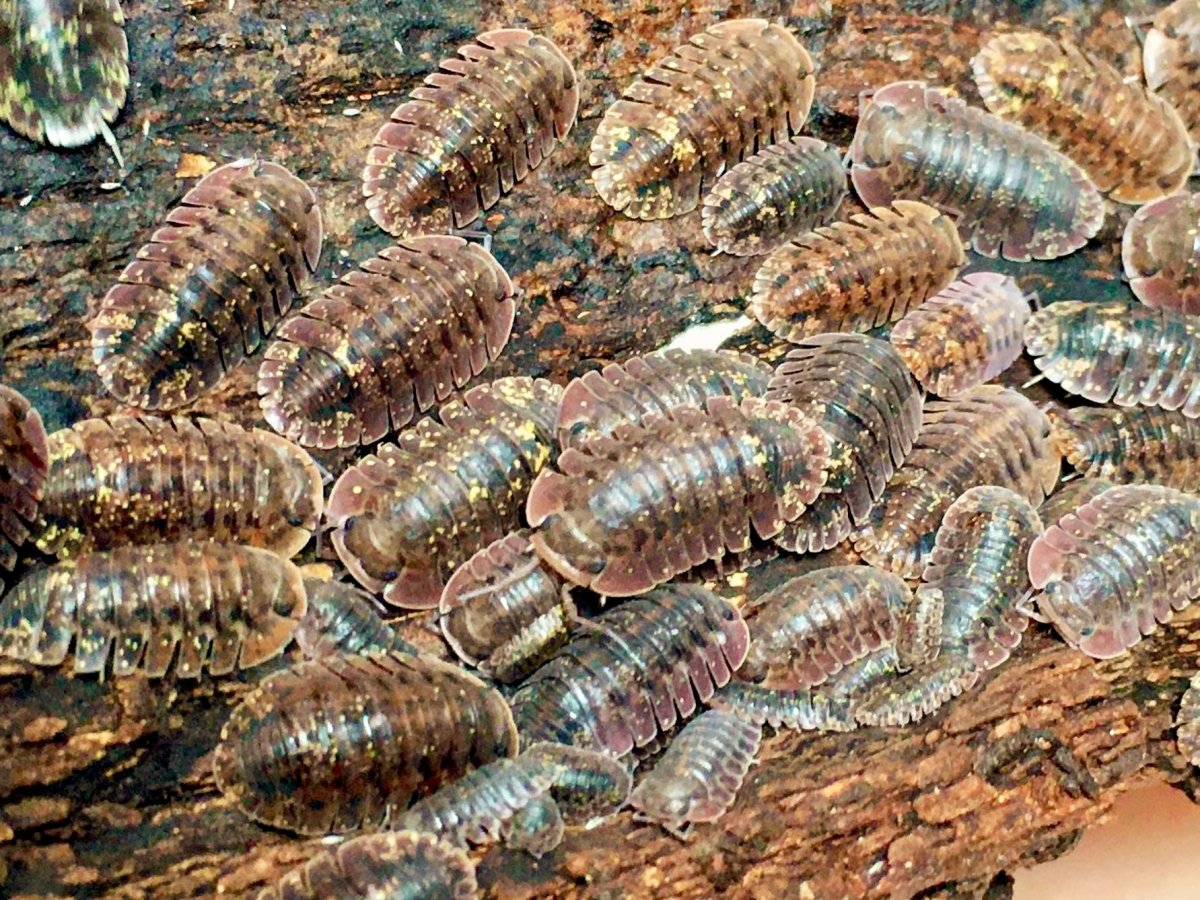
(857, 275)
(1161, 253)
(1187, 722)
(774, 196)
(1012, 193)
(1171, 60)
(199, 605)
(24, 464)
(967, 334)
(1132, 144)
(1129, 446)
(349, 742)
(344, 619)
(473, 130)
(729, 91)
(209, 287)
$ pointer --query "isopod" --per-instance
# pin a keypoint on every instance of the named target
(628, 513)
(24, 464)
(343, 619)
(1129, 446)
(857, 275)
(965, 335)
(1070, 496)
(349, 742)
(774, 196)
(730, 90)
(1119, 565)
(386, 343)
(1161, 253)
(537, 829)
(473, 130)
(200, 605)
(1132, 144)
(1171, 60)
(1012, 193)
(1187, 722)
(412, 512)
(587, 784)
(129, 479)
(209, 287)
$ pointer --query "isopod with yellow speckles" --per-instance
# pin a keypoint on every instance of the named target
(24, 464)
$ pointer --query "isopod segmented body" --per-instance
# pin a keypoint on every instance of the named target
(774, 196)
(857, 275)
(343, 619)
(628, 513)
(537, 829)
(732, 89)
(698, 777)
(24, 464)
(1187, 722)
(586, 783)
(1119, 565)
(1171, 60)
(388, 864)
(1129, 355)
(1132, 144)
(1070, 496)
(645, 666)
(209, 287)
(199, 605)
(130, 479)
(968, 334)
(598, 401)
(349, 742)
(412, 512)
(386, 343)
(1161, 253)
(859, 391)
(1012, 193)
(472, 131)
(1129, 446)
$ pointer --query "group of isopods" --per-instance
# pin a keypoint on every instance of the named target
(174, 536)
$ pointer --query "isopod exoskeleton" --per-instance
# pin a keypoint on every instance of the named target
(386, 343)
(965, 335)
(774, 196)
(1127, 354)
(632, 511)
(349, 742)
(1187, 722)
(537, 829)
(344, 619)
(1118, 566)
(1171, 60)
(412, 512)
(473, 130)
(1012, 193)
(389, 864)
(24, 464)
(860, 393)
(587, 783)
(209, 287)
(1161, 253)
(199, 605)
(139, 480)
(598, 401)
(1129, 446)
(857, 275)
(729, 91)
(645, 665)
(1132, 144)
(1070, 496)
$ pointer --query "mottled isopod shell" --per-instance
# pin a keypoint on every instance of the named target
(699, 775)
(1132, 144)
(412, 512)
(385, 865)
(904, 699)
(858, 389)
(628, 513)
(729, 91)
(349, 742)
(537, 829)
(598, 401)
(1119, 565)
(64, 68)
(1187, 722)
(386, 343)
(987, 435)
(587, 784)
(189, 606)
(343, 619)
(1070, 496)
(1012, 193)
(1171, 60)
(136, 480)
(968, 334)
(774, 196)
(24, 464)
(857, 275)
(1161, 253)
(1119, 353)
(209, 287)
(473, 130)
(1129, 446)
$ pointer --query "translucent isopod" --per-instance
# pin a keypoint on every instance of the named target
(24, 464)
(1161, 253)
(1129, 446)
(1070, 496)
(1171, 60)
(343, 619)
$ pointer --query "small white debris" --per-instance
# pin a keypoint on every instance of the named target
(396, 44)
(109, 185)
(351, 111)
(146, 127)
(27, 199)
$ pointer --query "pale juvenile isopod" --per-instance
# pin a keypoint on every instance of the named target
(24, 464)
(729, 91)
(473, 130)
(774, 196)
(1187, 722)
(1129, 446)
(1012, 193)
(859, 274)
(1161, 253)
(1171, 60)
(344, 619)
